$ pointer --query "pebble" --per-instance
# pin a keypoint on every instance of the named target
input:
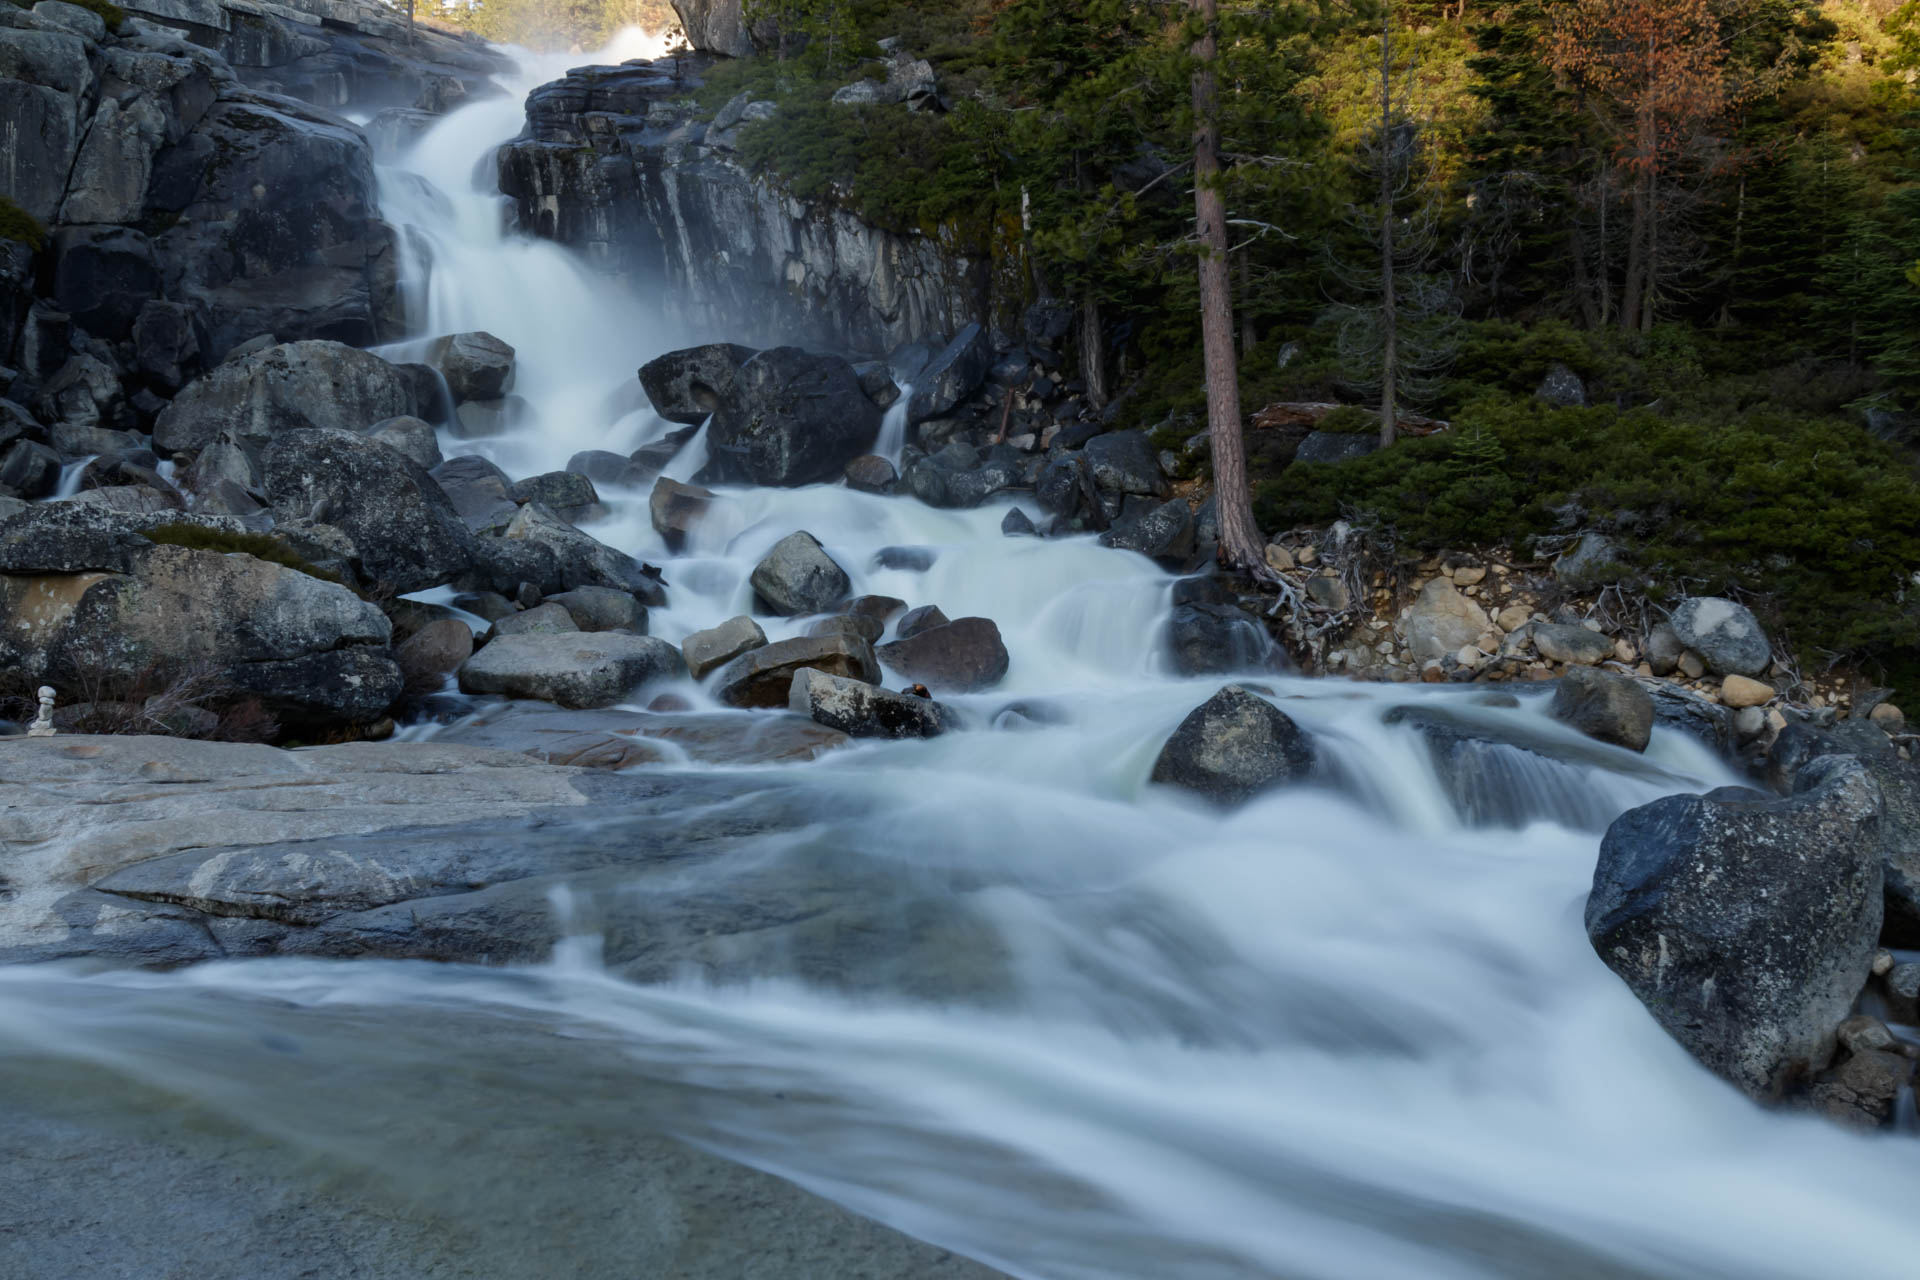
(1739, 692)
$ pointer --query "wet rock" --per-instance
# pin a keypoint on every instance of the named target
(1212, 638)
(1232, 747)
(687, 386)
(905, 559)
(434, 652)
(479, 490)
(1016, 524)
(870, 473)
(1725, 634)
(1863, 1091)
(605, 467)
(1664, 650)
(963, 656)
(790, 418)
(574, 670)
(1442, 621)
(709, 650)
(764, 676)
(924, 618)
(954, 373)
(293, 387)
(580, 559)
(488, 419)
(676, 510)
(603, 609)
(1125, 462)
(477, 366)
(1606, 707)
(1675, 708)
(541, 620)
(797, 576)
(405, 532)
(880, 608)
(1164, 535)
(1575, 646)
(849, 624)
(1745, 924)
(570, 494)
(863, 710)
(411, 436)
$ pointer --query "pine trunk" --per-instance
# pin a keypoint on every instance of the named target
(1240, 545)
(1389, 310)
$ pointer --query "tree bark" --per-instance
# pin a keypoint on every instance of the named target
(1240, 544)
(1389, 310)
(1093, 352)
(1640, 235)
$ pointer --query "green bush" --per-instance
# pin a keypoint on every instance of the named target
(1350, 420)
(17, 224)
(1815, 518)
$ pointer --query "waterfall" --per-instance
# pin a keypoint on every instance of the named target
(893, 428)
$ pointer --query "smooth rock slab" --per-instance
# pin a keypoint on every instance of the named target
(577, 670)
(1232, 747)
(863, 710)
(1746, 924)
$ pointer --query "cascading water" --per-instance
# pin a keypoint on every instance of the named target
(893, 428)
(1345, 1031)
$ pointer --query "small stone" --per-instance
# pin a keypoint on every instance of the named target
(1888, 717)
(1862, 1034)
(1513, 617)
(1470, 657)
(1691, 666)
(1749, 723)
(1882, 962)
(1471, 576)
(1306, 555)
(1279, 559)
(1623, 651)
(1739, 691)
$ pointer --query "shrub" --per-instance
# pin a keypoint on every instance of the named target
(17, 224)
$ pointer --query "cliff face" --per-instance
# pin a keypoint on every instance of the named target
(613, 165)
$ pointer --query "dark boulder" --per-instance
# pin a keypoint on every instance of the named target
(1232, 747)
(862, 710)
(1017, 524)
(569, 493)
(28, 469)
(292, 387)
(870, 473)
(603, 609)
(1164, 535)
(905, 559)
(790, 418)
(964, 656)
(797, 576)
(405, 532)
(1336, 446)
(676, 510)
(954, 373)
(411, 436)
(103, 277)
(763, 677)
(687, 386)
(479, 490)
(477, 366)
(604, 467)
(1125, 462)
(1214, 637)
(709, 650)
(579, 559)
(573, 669)
(924, 618)
(1746, 924)
(1606, 707)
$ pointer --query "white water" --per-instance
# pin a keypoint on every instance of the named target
(893, 428)
(1334, 1034)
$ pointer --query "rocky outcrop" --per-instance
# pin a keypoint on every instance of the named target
(790, 418)
(1746, 924)
(613, 163)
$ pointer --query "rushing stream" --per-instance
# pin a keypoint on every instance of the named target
(1342, 1032)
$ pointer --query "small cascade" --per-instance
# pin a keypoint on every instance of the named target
(892, 441)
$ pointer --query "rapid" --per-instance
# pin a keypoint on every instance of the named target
(1344, 1031)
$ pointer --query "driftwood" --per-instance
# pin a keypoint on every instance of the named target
(1308, 414)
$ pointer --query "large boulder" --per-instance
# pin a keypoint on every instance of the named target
(1566, 643)
(1726, 635)
(862, 710)
(763, 677)
(406, 535)
(578, 559)
(1208, 634)
(477, 366)
(790, 418)
(709, 650)
(1232, 747)
(953, 374)
(272, 227)
(964, 656)
(1607, 707)
(573, 669)
(102, 277)
(1125, 462)
(87, 600)
(676, 510)
(715, 26)
(798, 576)
(687, 386)
(1746, 924)
(43, 77)
(296, 386)
(1165, 534)
(1442, 621)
